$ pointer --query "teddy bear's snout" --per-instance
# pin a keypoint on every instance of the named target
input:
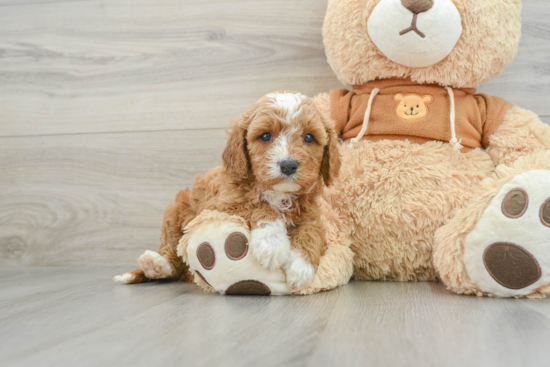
(418, 6)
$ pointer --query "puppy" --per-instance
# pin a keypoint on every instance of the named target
(280, 155)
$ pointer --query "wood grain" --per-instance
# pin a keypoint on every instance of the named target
(413, 324)
(101, 323)
(95, 199)
(140, 65)
(66, 317)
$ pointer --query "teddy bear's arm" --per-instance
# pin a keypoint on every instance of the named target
(520, 133)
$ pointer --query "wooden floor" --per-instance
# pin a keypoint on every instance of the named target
(73, 317)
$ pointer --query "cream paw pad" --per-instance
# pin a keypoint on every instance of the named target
(216, 247)
(508, 252)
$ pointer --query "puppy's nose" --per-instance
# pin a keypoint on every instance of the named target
(289, 166)
(418, 6)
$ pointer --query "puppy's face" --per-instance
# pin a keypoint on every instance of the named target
(286, 141)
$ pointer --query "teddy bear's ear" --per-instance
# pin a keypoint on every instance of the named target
(235, 156)
(398, 97)
(428, 99)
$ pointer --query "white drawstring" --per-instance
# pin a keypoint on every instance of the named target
(366, 118)
(454, 141)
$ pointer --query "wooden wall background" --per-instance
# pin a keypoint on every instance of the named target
(108, 108)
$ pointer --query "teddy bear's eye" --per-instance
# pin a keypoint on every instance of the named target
(266, 137)
(417, 106)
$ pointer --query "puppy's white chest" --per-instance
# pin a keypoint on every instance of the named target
(280, 201)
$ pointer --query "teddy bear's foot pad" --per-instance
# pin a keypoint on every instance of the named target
(508, 252)
(248, 287)
(511, 265)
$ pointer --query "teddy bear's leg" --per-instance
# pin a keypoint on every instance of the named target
(500, 243)
(216, 247)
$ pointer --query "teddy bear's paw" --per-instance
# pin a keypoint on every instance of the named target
(508, 252)
(219, 255)
(299, 272)
(270, 244)
(154, 265)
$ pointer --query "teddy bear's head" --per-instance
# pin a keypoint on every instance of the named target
(456, 43)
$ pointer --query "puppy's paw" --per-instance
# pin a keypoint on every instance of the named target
(270, 244)
(154, 265)
(126, 278)
(299, 272)
(131, 277)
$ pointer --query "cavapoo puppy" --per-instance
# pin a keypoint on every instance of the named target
(280, 155)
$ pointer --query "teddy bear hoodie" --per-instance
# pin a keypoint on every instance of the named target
(405, 110)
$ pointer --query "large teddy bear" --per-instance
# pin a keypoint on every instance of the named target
(437, 182)
(441, 182)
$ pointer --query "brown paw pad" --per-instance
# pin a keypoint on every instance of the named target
(236, 246)
(515, 203)
(511, 265)
(248, 287)
(545, 213)
(206, 255)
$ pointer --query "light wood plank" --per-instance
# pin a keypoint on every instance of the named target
(140, 65)
(68, 317)
(161, 324)
(526, 82)
(422, 324)
(61, 304)
(94, 199)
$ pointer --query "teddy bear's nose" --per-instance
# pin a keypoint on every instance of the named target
(418, 6)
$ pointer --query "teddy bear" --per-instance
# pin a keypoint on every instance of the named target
(437, 182)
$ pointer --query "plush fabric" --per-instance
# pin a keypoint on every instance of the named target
(419, 44)
(489, 41)
(394, 195)
(214, 228)
(408, 198)
(481, 223)
(478, 116)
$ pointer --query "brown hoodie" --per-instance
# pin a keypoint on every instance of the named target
(405, 110)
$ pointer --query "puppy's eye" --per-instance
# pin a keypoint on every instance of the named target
(266, 137)
(309, 138)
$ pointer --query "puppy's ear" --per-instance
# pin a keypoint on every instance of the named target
(330, 165)
(235, 156)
